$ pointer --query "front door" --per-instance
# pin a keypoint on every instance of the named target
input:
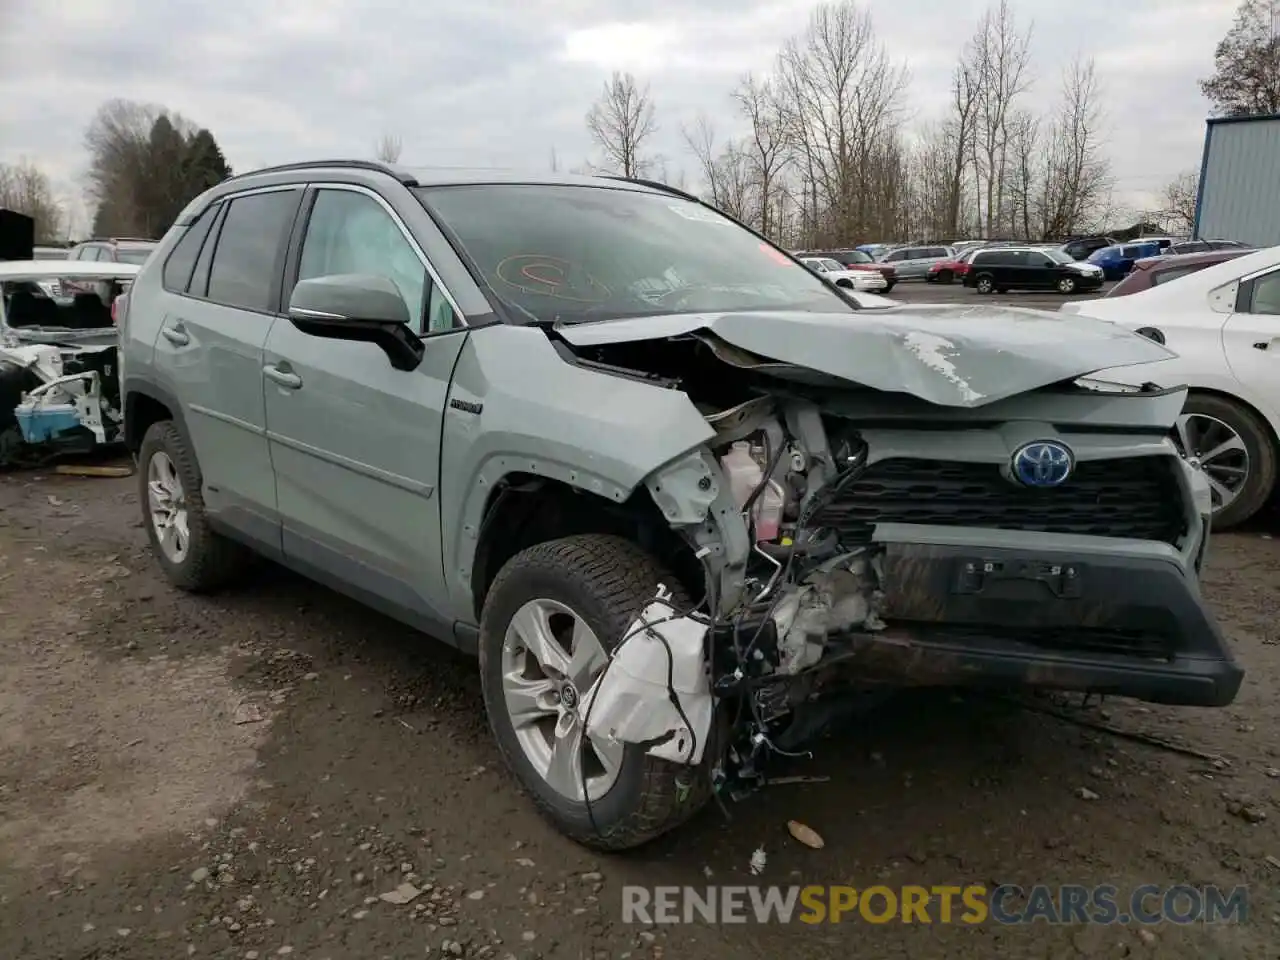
(355, 442)
(210, 346)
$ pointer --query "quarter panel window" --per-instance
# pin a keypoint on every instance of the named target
(182, 260)
(1266, 295)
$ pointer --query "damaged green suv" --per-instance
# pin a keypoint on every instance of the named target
(679, 494)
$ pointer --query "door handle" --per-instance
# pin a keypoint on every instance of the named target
(285, 378)
(176, 335)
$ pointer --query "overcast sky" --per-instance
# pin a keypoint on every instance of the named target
(506, 82)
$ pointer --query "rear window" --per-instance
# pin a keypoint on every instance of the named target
(562, 253)
(134, 255)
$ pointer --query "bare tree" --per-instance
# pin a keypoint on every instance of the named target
(1001, 55)
(960, 132)
(25, 189)
(726, 171)
(621, 122)
(766, 146)
(388, 148)
(1077, 175)
(842, 100)
(1246, 78)
(1179, 202)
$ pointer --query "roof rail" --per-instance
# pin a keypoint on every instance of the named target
(655, 185)
(373, 165)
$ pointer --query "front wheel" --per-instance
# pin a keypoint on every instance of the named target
(984, 283)
(1067, 285)
(945, 276)
(889, 285)
(192, 555)
(551, 619)
(1234, 449)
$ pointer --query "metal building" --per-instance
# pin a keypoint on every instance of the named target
(1239, 193)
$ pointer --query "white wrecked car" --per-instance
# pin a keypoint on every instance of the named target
(59, 380)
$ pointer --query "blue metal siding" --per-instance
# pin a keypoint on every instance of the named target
(1239, 195)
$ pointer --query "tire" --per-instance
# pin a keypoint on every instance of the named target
(945, 276)
(846, 284)
(605, 581)
(1067, 285)
(984, 283)
(209, 560)
(1259, 446)
(889, 285)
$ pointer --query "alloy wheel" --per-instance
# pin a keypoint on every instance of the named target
(550, 659)
(1218, 450)
(167, 507)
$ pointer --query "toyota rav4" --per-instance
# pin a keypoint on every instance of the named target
(679, 494)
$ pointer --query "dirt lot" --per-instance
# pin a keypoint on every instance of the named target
(241, 777)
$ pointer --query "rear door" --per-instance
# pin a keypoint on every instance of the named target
(210, 346)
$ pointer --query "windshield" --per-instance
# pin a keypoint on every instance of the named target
(77, 304)
(830, 265)
(135, 255)
(1060, 257)
(580, 253)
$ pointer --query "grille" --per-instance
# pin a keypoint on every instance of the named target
(1133, 497)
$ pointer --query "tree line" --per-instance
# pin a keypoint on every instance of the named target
(828, 157)
(146, 163)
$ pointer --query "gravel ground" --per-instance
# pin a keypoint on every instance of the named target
(245, 776)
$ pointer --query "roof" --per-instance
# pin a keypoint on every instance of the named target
(1190, 259)
(1250, 118)
(66, 269)
(455, 176)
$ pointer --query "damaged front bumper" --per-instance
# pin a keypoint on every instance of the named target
(978, 608)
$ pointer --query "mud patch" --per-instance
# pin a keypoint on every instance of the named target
(98, 751)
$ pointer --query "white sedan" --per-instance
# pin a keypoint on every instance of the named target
(869, 281)
(1223, 322)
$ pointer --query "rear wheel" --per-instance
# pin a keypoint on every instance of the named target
(193, 556)
(984, 283)
(1235, 450)
(553, 616)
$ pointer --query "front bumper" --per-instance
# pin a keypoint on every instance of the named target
(1066, 613)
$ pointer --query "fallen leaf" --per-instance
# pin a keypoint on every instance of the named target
(806, 835)
(248, 713)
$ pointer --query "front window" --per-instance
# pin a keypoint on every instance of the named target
(857, 256)
(831, 266)
(572, 254)
(134, 255)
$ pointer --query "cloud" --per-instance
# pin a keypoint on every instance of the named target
(497, 83)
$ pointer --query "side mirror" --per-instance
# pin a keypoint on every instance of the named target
(357, 306)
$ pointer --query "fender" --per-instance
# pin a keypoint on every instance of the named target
(545, 416)
(132, 389)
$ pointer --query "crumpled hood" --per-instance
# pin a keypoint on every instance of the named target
(954, 356)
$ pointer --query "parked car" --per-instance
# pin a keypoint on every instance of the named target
(1151, 271)
(869, 280)
(857, 260)
(1222, 322)
(538, 415)
(1204, 246)
(913, 263)
(1116, 261)
(945, 271)
(1079, 248)
(1029, 268)
(114, 250)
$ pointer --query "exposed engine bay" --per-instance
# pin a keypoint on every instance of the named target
(856, 540)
